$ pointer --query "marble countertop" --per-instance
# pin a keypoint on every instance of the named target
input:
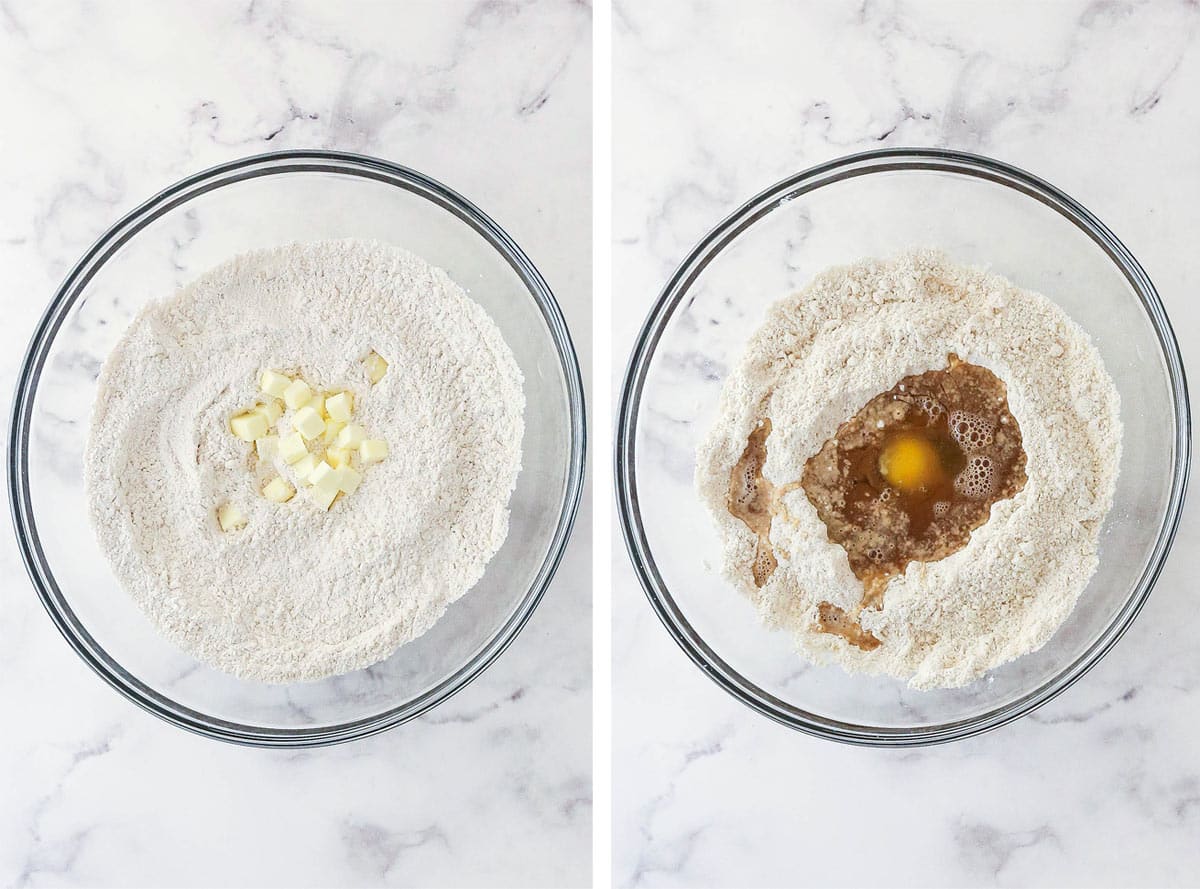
(105, 104)
(716, 101)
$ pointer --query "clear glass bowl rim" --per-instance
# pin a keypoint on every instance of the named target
(20, 504)
(839, 169)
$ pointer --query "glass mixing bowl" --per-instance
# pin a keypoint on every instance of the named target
(979, 212)
(261, 202)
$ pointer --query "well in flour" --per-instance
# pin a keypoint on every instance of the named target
(298, 593)
(944, 619)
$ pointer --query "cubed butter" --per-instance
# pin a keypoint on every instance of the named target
(332, 428)
(338, 457)
(274, 383)
(297, 394)
(324, 476)
(350, 437)
(340, 406)
(317, 403)
(278, 490)
(348, 480)
(266, 447)
(373, 450)
(376, 367)
(230, 518)
(308, 422)
(270, 409)
(305, 465)
(249, 426)
(292, 448)
(323, 497)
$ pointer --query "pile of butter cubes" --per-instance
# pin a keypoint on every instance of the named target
(322, 448)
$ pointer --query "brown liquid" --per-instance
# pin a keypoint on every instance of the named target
(752, 499)
(832, 619)
(959, 417)
(962, 414)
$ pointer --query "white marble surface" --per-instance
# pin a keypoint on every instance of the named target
(715, 101)
(107, 103)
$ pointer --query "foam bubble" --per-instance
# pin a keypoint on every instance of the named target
(978, 478)
(931, 407)
(748, 489)
(971, 431)
(941, 508)
(764, 563)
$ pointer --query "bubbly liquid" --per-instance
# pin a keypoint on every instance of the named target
(960, 417)
(964, 453)
(752, 499)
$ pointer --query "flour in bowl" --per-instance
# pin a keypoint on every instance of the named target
(291, 590)
(858, 342)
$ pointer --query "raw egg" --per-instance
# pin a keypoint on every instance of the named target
(910, 463)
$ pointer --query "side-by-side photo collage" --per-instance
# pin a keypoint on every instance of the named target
(590, 443)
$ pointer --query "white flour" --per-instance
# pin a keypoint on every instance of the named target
(300, 593)
(853, 333)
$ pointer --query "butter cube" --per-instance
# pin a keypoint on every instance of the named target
(271, 410)
(373, 450)
(350, 437)
(274, 383)
(323, 476)
(323, 497)
(277, 490)
(338, 457)
(317, 403)
(305, 466)
(332, 428)
(340, 406)
(308, 422)
(348, 480)
(230, 518)
(297, 394)
(292, 447)
(249, 426)
(376, 367)
(266, 447)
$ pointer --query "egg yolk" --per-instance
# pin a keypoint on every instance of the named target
(910, 463)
